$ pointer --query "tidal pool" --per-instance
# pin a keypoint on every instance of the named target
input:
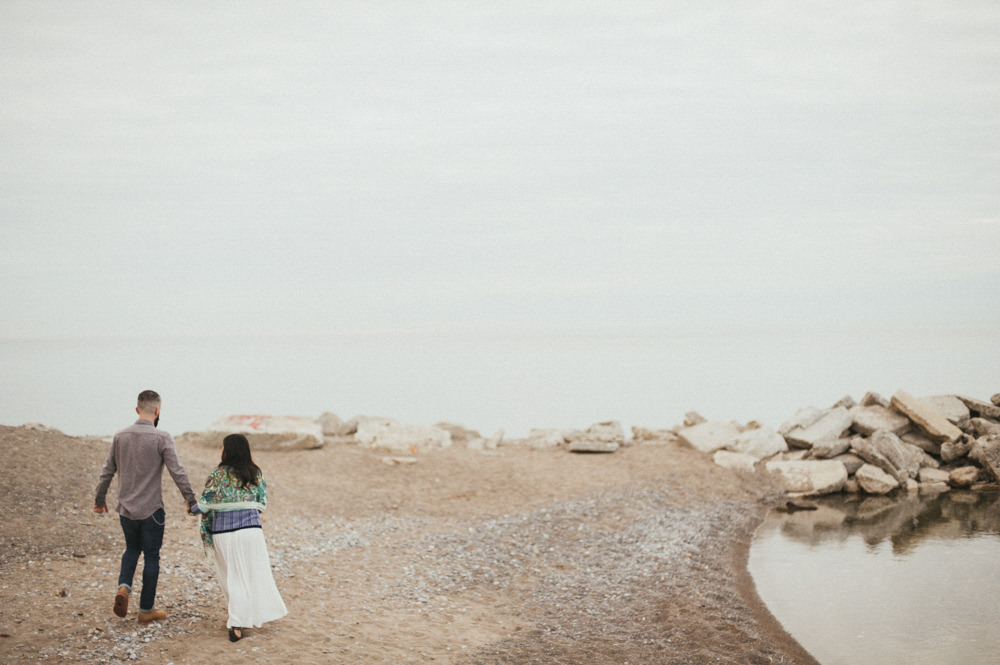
(872, 580)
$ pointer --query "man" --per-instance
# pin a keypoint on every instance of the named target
(138, 454)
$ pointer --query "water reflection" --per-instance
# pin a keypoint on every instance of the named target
(910, 578)
(904, 521)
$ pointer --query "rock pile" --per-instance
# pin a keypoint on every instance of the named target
(876, 446)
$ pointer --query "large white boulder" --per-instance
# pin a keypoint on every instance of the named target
(709, 436)
(870, 419)
(544, 438)
(267, 432)
(760, 442)
(398, 436)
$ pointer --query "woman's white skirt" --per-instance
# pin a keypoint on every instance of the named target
(244, 570)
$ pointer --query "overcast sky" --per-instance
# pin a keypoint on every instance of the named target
(194, 168)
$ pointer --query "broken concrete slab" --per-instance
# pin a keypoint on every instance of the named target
(760, 442)
(981, 408)
(986, 452)
(810, 478)
(886, 451)
(873, 399)
(692, 418)
(544, 438)
(832, 424)
(398, 436)
(925, 417)
(851, 461)
(331, 424)
(951, 407)
(846, 401)
(869, 419)
(709, 436)
(350, 428)
(459, 433)
(830, 448)
(874, 480)
(606, 437)
(655, 436)
(267, 432)
(920, 440)
(983, 427)
(592, 446)
(803, 418)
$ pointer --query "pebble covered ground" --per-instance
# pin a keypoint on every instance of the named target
(517, 556)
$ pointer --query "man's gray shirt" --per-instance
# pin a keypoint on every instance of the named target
(138, 454)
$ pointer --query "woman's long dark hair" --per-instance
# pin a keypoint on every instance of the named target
(236, 455)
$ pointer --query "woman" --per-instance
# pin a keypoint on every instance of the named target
(230, 506)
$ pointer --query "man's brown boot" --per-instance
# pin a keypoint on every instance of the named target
(121, 601)
(154, 615)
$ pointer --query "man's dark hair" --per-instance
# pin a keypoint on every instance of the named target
(236, 455)
(148, 400)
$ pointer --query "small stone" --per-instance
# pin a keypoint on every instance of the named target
(956, 450)
(692, 418)
(846, 401)
(873, 399)
(851, 462)
(963, 477)
(810, 478)
(874, 480)
(927, 475)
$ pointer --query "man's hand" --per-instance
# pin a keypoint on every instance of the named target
(101, 508)
(191, 509)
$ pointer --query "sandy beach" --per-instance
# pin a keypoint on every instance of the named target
(464, 557)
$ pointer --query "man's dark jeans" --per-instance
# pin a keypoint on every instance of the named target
(143, 537)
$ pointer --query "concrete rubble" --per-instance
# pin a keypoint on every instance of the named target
(267, 432)
(606, 437)
(873, 446)
(883, 445)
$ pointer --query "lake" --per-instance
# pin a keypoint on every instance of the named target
(510, 381)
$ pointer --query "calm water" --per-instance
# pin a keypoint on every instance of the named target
(869, 581)
(511, 382)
